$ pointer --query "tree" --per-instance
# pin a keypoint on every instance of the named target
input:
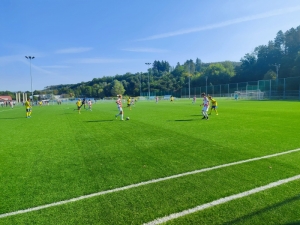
(198, 65)
(117, 88)
(279, 41)
(270, 75)
(218, 73)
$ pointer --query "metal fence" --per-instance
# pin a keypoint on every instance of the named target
(284, 88)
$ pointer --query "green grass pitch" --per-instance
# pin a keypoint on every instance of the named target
(58, 155)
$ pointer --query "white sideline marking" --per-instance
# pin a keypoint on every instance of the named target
(221, 201)
(141, 184)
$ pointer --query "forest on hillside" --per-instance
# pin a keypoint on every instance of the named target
(284, 50)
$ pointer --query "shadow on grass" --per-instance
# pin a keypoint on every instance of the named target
(98, 121)
(293, 223)
(187, 120)
(14, 118)
(197, 115)
(264, 210)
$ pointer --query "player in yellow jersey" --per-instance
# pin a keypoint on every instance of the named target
(172, 98)
(79, 104)
(28, 108)
(129, 103)
(214, 105)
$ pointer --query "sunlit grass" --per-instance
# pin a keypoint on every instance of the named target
(58, 155)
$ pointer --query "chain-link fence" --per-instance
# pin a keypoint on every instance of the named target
(284, 88)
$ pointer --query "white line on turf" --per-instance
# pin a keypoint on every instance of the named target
(142, 184)
(221, 201)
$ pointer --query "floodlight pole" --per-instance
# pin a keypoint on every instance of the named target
(206, 85)
(148, 64)
(30, 58)
(141, 84)
(277, 68)
(189, 80)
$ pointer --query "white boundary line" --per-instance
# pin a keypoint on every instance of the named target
(221, 201)
(141, 184)
(6, 110)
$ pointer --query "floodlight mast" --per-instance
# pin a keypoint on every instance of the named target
(30, 58)
(148, 64)
(206, 84)
(189, 80)
(277, 68)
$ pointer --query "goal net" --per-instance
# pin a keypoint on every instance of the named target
(249, 94)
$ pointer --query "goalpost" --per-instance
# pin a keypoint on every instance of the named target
(251, 93)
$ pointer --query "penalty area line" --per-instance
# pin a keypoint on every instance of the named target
(221, 201)
(142, 184)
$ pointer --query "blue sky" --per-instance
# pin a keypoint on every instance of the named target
(78, 40)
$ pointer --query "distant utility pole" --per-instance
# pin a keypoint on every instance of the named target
(277, 68)
(141, 83)
(206, 84)
(148, 64)
(189, 80)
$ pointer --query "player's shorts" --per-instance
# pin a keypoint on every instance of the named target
(128, 105)
(120, 109)
(78, 107)
(205, 108)
(214, 107)
(28, 110)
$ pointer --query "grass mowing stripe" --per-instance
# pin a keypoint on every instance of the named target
(221, 201)
(145, 183)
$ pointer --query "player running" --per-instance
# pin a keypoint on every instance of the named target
(214, 105)
(119, 105)
(78, 103)
(194, 99)
(129, 103)
(90, 104)
(205, 105)
(83, 103)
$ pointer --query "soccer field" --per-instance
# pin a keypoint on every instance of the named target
(165, 164)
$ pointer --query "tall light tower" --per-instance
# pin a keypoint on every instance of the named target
(189, 80)
(30, 58)
(141, 84)
(206, 84)
(277, 68)
(148, 64)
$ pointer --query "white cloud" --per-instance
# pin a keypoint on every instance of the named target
(73, 50)
(55, 67)
(11, 59)
(96, 60)
(150, 50)
(225, 23)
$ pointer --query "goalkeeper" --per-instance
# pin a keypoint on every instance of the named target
(214, 105)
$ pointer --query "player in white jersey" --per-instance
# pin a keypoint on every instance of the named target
(119, 104)
(90, 104)
(194, 100)
(205, 105)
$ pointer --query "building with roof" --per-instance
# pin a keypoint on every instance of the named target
(5, 98)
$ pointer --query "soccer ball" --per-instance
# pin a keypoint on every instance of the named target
(127, 118)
